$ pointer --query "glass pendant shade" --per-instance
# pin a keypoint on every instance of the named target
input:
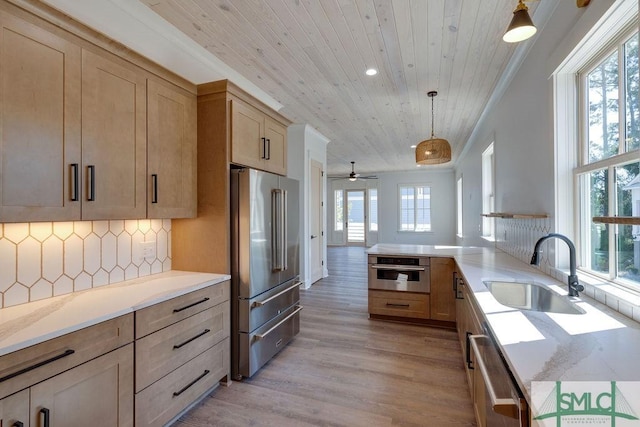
(521, 26)
(433, 151)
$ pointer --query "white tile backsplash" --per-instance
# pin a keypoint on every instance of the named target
(45, 259)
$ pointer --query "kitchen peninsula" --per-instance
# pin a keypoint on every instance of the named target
(598, 345)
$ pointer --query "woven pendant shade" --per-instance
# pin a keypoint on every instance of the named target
(433, 151)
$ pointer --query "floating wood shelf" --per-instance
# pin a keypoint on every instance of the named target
(514, 215)
(627, 220)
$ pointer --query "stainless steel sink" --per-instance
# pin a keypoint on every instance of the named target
(531, 296)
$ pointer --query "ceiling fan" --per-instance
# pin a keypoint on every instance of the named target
(353, 176)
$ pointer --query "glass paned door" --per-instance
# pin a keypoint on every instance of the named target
(355, 217)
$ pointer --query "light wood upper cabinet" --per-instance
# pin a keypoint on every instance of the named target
(114, 138)
(171, 152)
(257, 140)
(443, 302)
(39, 123)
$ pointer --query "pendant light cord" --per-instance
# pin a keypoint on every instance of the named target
(432, 117)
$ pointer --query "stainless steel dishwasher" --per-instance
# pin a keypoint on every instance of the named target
(504, 404)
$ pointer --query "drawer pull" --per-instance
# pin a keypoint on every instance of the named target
(261, 303)
(45, 412)
(261, 336)
(178, 310)
(37, 365)
(185, 388)
(17, 424)
(177, 346)
(390, 304)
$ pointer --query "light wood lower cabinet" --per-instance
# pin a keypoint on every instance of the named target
(97, 393)
(182, 354)
(84, 378)
(14, 410)
(443, 303)
(399, 304)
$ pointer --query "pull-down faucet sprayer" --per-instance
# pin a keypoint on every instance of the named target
(574, 285)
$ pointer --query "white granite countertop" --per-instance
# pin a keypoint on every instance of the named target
(24, 325)
(600, 345)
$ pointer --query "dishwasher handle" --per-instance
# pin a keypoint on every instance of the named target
(507, 406)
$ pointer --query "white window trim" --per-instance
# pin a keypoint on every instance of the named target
(459, 204)
(399, 207)
(488, 192)
(620, 17)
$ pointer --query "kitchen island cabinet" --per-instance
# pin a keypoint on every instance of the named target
(442, 302)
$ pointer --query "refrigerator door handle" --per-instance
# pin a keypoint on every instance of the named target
(276, 229)
(283, 242)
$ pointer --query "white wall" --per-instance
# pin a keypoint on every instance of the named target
(443, 198)
(306, 144)
(521, 126)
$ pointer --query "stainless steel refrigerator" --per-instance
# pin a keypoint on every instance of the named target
(265, 257)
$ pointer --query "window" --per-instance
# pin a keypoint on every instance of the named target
(415, 208)
(339, 215)
(608, 171)
(488, 198)
(373, 209)
(459, 207)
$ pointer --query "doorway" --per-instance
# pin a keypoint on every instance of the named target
(316, 221)
(356, 217)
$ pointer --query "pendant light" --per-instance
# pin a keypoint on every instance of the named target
(521, 26)
(433, 150)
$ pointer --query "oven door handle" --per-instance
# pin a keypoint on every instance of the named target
(507, 406)
(272, 297)
(396, 267)
(263, 335)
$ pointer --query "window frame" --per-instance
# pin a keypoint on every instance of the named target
(488, 191)
(583, 167)
(338, 195)
(415, 187)
(370, 210)
(459, 212)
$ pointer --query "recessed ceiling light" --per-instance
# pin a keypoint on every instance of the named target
(371, 72)
(414, 146)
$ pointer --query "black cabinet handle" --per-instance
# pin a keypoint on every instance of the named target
(389, 304)
(177, 346)
(45, 412)
(178, 310)
(185, 388)
(264, 148)
(468, 350)
(455, 282)
(17, 424)
(37, 365)
(74, 182)
(154, 188)
(268, 149)
(92, 183)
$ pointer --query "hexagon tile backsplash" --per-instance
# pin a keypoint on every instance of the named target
(44, 259)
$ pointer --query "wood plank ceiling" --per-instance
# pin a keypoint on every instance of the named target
(311, 55)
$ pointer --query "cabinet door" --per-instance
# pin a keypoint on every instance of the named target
(39, 123)
(171, 148)
(14, 409)
(276, 135)
(97, 393)
(443, 302)
(247, 146)
(114, 119)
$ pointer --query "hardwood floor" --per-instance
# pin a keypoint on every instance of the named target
(346, 370)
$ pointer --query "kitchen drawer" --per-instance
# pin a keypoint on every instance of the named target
(158, 316)
(162, 401)
(41, 361)
(400, 304)
(163, 351)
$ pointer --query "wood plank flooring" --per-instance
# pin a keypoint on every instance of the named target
(344, 369)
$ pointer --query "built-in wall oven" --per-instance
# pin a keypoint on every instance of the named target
(495, 389)
(399, 273)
